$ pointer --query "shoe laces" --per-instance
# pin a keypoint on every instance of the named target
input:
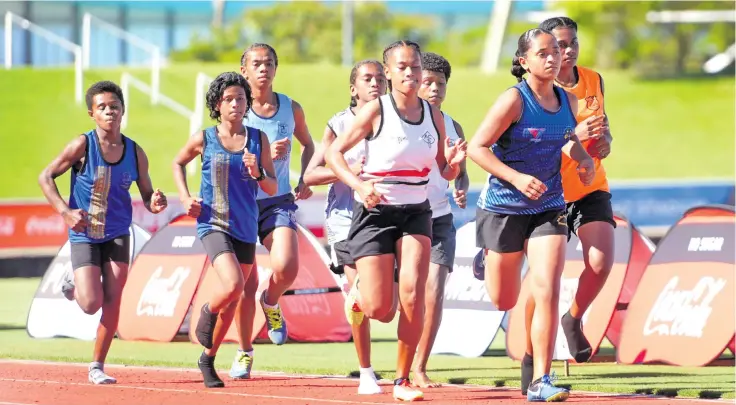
(244, 360)
(274, 318)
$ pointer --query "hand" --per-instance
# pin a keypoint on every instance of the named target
(76, 220)
(357, 167)
(586, 171)
(280, 148)
(302, 191)
(158, 202)
(461, 198)
(529, 186)
(368, 193)
(600, 147)
(193, 206)
(591, 127)
(455, 154)
(251, 163)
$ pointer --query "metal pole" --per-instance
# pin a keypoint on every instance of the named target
(8, 40)
(347, 33)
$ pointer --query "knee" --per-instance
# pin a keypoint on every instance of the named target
(381, 310)
(504, 303)
(287, 270)
(600, 264)
(233, 286)
(90, 305)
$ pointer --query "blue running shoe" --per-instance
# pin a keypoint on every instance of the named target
(275, 323)
(542, 390)
(242, 364)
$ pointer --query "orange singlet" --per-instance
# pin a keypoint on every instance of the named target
(590, 102)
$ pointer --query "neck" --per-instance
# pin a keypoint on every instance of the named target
(112, 136)
(262, 95)
(542, 88)
(405, 101)
(566, 76)
(231, 127)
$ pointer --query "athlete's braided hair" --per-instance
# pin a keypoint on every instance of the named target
(354, 75)
(259, 45)
(525, 41)
(558, 22)
(398, 44)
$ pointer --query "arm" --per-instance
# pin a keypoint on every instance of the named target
(153, 205)
(317, 173)
(362, 127)
(500, 117)
(573, 148)
(268, 185)
(72, 153)
(608, 135)
(447, 171)
(462, 181)
(193, 148)
(301, 133)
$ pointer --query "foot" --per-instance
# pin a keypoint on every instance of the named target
(422, 380)
(242, 364)
(403, 391)
(275, 323)
(579, 346)
(527, 372)
(98, 376)
(369, 384)
(542, 390)
(67, 284)
(206, 326)
(207, 367)
(353, 313)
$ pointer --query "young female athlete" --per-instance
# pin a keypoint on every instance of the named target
(435, 76)
(392, 221)
(236, 163)
(367, 82)
(589, 211)
(279, 117)
(521, 209)
(104, 164)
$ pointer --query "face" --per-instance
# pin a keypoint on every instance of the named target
(370, 83)
(260, 68)
(404, 69)
(543, 58)
(233, 104)
(107, 111)
(433, 88)
(567, 39)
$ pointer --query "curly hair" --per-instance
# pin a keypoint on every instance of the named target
(104, 86)
(433, 62)
(217, 89)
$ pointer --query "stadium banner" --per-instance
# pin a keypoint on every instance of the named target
(648, 204)
(469, 320)
(36, 225)
(597, 318)
(52, 315)
(685, 298)
(312, 307)
(162, 282)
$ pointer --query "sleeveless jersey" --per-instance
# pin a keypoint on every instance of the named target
(228, 192)
(102, 189)
(279, 126)
(403, 153)
(531, 146)
(437, 187)
(339, 209)
(590, 102)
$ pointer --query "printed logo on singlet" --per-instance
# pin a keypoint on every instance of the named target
(428, 139)
(126, 181)
(534, 133)
(568, 132)
(283, 128)
(591, 103)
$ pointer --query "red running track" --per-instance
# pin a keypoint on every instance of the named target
(42, 383)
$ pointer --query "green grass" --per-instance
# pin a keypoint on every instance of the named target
(665, 129)
(493, 369)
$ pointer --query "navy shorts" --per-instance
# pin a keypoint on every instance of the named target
(276, 212)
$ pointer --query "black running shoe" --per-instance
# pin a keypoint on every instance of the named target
(206, 326)
(527, 372)
(207, 367)
(577, 343)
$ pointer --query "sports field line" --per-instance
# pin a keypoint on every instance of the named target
(317, 376)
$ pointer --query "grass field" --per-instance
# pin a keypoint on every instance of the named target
(664, 129)
(339, 358)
